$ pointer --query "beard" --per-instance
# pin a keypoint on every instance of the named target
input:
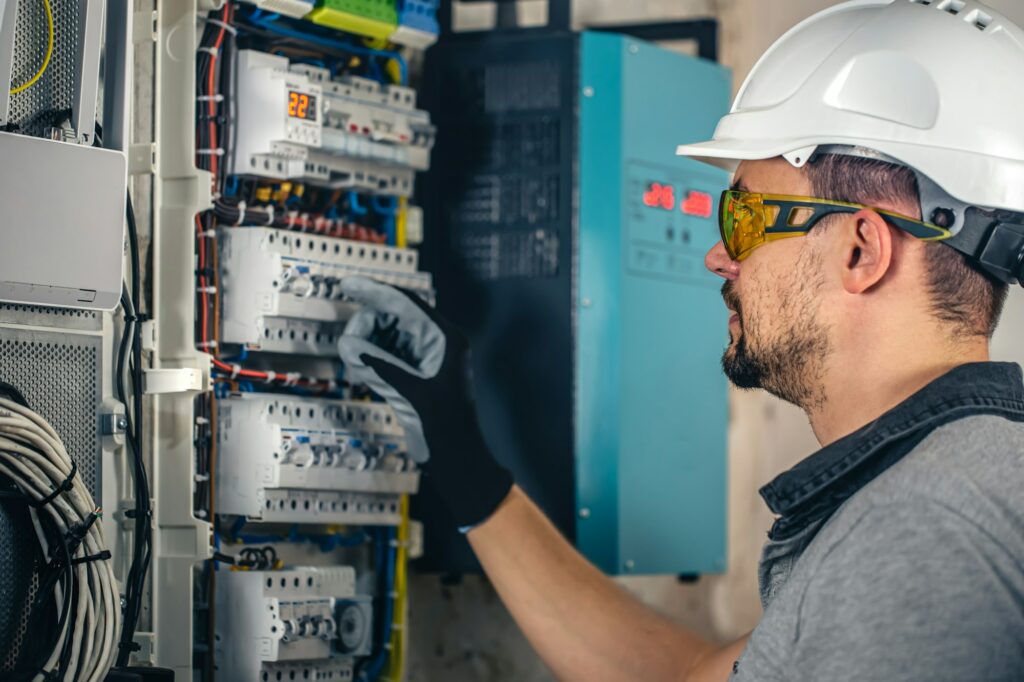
(787, 360)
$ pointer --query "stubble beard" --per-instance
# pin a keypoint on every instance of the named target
(789, 361)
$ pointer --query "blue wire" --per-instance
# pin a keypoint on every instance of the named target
(390, 561)
(390, 209)
(354, 205)
(268, 24)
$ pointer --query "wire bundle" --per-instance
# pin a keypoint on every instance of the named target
(78, 572)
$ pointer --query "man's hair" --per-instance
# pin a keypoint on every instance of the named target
(962, 295)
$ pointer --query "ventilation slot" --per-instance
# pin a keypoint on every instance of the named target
(954, 7)
(980, 20)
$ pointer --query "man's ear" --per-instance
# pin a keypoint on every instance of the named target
(866, 247)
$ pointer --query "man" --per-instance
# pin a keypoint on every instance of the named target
(865, 282)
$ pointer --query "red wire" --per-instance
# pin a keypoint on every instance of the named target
(306, 382)
(211, 104)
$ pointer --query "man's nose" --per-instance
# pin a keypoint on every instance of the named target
(717, 261)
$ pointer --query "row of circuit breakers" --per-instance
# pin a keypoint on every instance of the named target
(301, 461)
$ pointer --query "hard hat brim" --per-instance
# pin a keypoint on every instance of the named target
(727, 154)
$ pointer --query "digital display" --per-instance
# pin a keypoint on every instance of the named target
(301, 105)
(693, 203)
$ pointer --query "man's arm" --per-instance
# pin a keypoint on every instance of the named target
(583, 625)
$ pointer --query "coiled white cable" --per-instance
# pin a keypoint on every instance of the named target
(33, 456)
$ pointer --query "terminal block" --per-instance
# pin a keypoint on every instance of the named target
(417, 23)
(273, 624)
(305, 460)
(297, 123)
(372, 18)
(279, 287)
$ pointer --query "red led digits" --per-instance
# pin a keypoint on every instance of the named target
(663, 196)
(697, 204)
(660, 196)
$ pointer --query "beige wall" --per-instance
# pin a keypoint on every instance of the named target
(469, 636)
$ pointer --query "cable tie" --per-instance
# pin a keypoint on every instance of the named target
(217, 22)
(102, 556)
(305, 222)
(290, 220)
(64, 487)
(208, 233)
(271, 376)
(129, 646)
(210, 98)
(241, 213)
(207, 344)
(235, 369)
(207, 290)
(292, 378)
(210, 151)
(332, 385)
(210, 50)
(269, 208)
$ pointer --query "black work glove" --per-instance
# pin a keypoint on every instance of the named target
(419, 363)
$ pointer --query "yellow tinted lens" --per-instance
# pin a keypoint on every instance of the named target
(742, 223)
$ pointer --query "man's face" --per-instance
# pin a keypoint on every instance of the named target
(778, 340)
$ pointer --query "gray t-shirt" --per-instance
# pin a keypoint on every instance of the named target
(918, 576)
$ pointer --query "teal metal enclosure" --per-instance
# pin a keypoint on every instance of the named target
(651, 404)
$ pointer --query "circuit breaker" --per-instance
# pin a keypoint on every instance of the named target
(303, 623)
(306, 460)
(572, 253)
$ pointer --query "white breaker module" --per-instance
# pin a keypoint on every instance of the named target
(305, 460)
(304, 623)
(296, 123)
(279, 286)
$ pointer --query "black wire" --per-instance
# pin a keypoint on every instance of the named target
(13, 394)
(141, 550)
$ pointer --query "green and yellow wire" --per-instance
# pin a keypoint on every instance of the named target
(49, 53)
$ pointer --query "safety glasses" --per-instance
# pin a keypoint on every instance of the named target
(748, 220)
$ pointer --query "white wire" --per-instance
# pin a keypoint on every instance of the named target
(33, 456)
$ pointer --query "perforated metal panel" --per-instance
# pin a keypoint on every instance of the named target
(33, 110)
(59, 374)
(59, 371)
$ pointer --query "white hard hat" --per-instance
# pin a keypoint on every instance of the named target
(935, 85)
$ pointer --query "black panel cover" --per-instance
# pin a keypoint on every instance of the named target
(500, 223)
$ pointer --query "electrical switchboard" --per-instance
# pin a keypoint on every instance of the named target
(572, 253)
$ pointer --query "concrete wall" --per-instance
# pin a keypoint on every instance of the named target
(463, 633)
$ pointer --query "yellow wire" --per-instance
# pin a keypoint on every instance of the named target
(49, 53)
(396, 659)
(401, 224)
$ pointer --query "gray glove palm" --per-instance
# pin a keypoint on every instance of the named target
(419, 363)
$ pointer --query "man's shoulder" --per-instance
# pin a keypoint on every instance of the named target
(973, 467)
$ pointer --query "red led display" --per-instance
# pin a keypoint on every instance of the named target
(663, 196)
(660, 196)
(697, 204)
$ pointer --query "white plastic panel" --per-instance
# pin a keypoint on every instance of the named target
(293, 459)
(271, 622)
(279, 286)
(351, 133)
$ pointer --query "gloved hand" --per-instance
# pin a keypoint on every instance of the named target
(419, 363)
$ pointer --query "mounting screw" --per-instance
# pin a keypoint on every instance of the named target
(588, 91)
(586, 303)
(122, 423)
(629, 564)
(633, 48)
(584, 512)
